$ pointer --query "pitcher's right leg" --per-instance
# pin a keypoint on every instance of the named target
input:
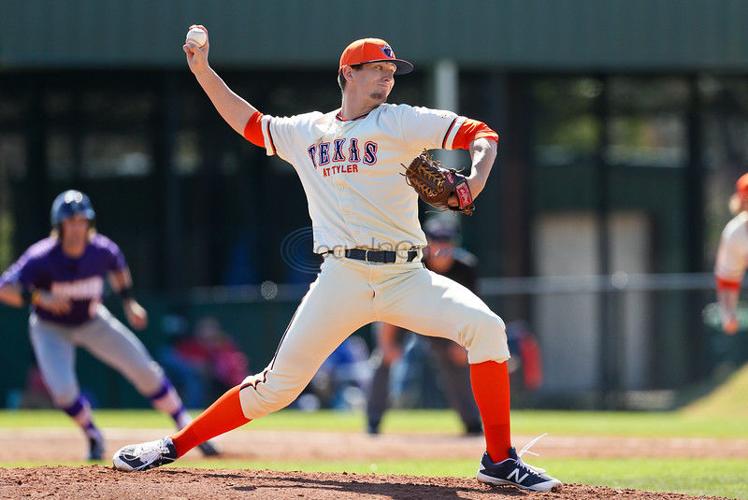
(338, 303)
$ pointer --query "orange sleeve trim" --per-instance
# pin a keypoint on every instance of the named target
(470, 131)
(253, 130)
(723, 284)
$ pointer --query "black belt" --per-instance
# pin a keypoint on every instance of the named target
(381, 256)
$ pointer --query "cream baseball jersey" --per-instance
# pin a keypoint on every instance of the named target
(732, 256)
(350, 171)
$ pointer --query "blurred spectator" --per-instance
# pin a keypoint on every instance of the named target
(35, 394)
(340, 381)
(526, 361)
(205, 364)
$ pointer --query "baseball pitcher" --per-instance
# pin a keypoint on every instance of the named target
(362, 183)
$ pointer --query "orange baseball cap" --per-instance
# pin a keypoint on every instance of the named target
(741, 187)
(369, 50)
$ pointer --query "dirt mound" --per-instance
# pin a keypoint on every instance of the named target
(103, 482)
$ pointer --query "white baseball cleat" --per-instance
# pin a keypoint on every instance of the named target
(144, 456)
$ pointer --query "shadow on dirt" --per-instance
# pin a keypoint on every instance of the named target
(397, 490)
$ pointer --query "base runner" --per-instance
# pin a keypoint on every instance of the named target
(62, 278)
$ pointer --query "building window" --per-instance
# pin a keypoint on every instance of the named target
(12, 156)
(60, 156)
(648, 122)
(187, 157)
(115, 155)
(567, 130)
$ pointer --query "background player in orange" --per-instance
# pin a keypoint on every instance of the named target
(366, 228)
(732, 258)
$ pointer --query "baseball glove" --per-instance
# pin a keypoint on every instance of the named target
(435, 184)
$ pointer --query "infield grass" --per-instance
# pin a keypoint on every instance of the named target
(558, 423)
(730, 398)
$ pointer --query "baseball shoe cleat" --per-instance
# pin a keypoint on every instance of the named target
(515, 472)
(473, 429)
(144, 456)
(96, 447)
(372, 428)
(208, 449)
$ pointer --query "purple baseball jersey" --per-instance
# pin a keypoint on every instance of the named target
(44, 266)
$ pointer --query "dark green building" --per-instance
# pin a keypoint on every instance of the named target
(623, 126)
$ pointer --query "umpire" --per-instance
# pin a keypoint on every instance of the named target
(443, 256)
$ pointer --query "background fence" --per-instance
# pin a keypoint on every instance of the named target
(618, 341)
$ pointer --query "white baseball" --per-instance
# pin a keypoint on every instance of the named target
(197, 35)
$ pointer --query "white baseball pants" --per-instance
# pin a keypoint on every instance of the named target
(349, 294)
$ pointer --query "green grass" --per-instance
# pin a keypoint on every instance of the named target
(724, 477)
(730, 398)
(662, 424)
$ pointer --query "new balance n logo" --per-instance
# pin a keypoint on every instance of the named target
(515, 473)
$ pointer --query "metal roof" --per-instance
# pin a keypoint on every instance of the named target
(520, 34)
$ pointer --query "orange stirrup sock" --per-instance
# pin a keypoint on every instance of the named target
(222, 416)
(490, 382)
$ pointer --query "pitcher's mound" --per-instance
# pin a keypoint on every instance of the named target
(103, 482)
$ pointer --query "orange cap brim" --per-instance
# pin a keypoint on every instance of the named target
(403, 67)
(741, 186)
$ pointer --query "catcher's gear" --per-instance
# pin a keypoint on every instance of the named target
(435, 184)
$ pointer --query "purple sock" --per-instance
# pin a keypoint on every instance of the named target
(160, 401)
(74, 409)
(162, 391)
(177, 414)
(76, 412)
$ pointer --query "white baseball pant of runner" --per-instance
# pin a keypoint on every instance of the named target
(106, 339)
